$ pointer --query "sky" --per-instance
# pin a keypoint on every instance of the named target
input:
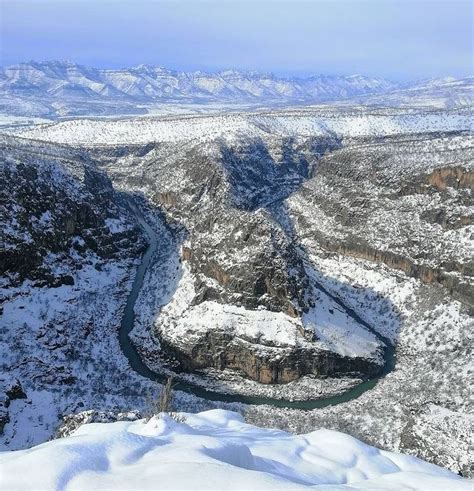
(396, 39)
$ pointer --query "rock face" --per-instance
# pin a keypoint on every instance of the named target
(56, 205)
(10, 390)
(68, 249)
(394, 204)
(267, 366)
(222, 195)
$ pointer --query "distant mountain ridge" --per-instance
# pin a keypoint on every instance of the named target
(58, 88)
(147, 83)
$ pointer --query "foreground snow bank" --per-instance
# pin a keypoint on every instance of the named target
(213, 450)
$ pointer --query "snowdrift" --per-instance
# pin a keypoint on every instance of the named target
(214, 450)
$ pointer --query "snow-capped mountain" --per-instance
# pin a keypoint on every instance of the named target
(54, 89)
(63, 88)
(144, 82)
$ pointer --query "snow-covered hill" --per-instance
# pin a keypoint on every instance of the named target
(342, 123)
(444, 93)
(214, 450)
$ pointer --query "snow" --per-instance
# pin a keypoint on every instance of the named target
(85, 87)
(116, 225)
(12, 121)
(430, 329)
(214, 450)
(424, 406)
(191, 321)
(354, 123)
(41, 328)
(184, 322)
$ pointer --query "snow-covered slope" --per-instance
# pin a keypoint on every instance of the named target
(353, 122)
(214, 450)
(443, 93)
(68, 253)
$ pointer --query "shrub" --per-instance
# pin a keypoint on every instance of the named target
(163, 403)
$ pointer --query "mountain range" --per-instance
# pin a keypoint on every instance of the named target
(55, 88)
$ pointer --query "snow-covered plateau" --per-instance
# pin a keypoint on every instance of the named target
(214, 450)
(308, 268)
(344, 122)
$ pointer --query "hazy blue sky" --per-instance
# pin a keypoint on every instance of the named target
(397, 39)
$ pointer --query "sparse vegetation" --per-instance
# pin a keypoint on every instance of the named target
(163, 403)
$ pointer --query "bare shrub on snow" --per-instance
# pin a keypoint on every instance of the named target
(163, 403)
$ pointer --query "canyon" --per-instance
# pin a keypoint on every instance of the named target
(298, 256)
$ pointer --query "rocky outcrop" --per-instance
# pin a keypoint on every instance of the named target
(274, 279)
(455, 177)
(71, 422)
(457, 284)
(388, 203)
(236, 249)
(221, 350)
(447, 221)
(238, 244)
(10, 390)
(57, 204)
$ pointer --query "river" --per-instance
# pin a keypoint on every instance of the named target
(139, 366)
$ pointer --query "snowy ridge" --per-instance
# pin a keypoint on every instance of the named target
(443, 93)
(215, 450)
(358, 123)
(57, 89)
(55, 80)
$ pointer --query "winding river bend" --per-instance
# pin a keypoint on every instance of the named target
(139, 366)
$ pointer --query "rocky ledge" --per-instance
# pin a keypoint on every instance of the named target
(266, 365)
